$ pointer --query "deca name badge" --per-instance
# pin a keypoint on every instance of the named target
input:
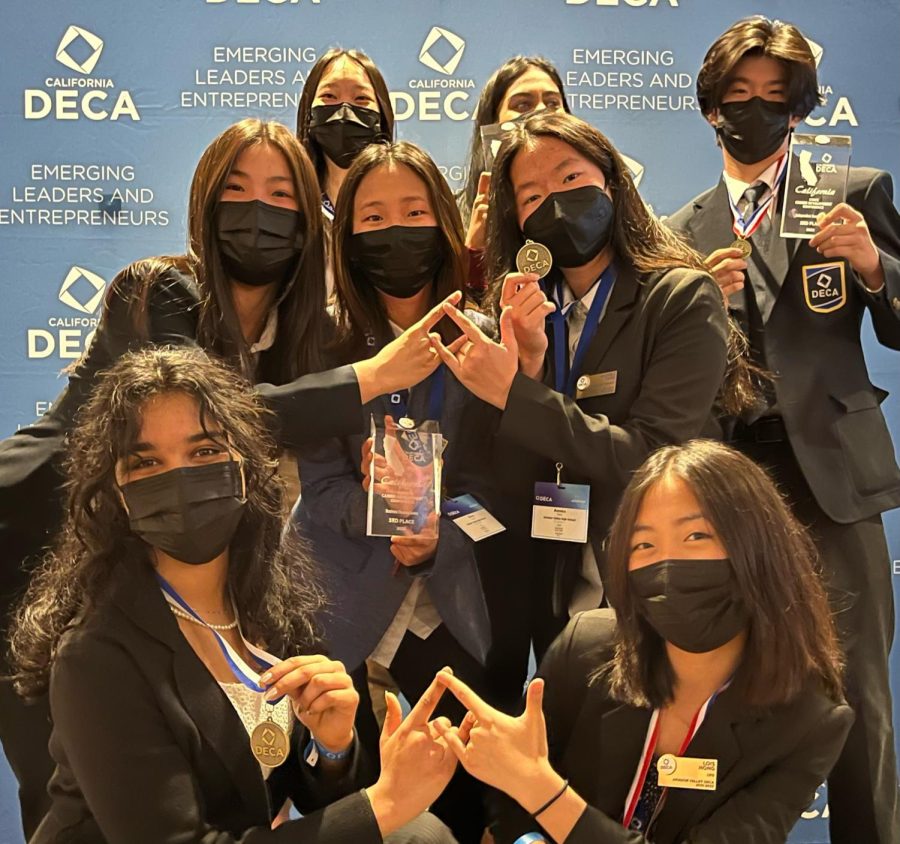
(825, 287)
(560, 511)
(686, 772)
(471, 518)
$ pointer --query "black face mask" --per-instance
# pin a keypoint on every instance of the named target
(751, 130)
(260, 243)
(575, 225)
(694, 604)
(399, 260)
(190, 513)
(343, 131)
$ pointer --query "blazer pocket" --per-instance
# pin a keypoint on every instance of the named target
(866, 441)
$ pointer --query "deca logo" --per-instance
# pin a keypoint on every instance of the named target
(67, 337)
(94, 283)
(86, 65)
(443, 97)
(436, 39)
(73, 97)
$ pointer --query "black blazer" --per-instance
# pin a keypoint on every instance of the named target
(830, 408)
(768, 765)
(30, 505)
(665, 337)
(150, 750)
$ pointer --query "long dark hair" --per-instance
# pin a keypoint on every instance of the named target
(759, 36)
(358, 308)
(302, 321)
(303, 326)
(274, 585)
(308, 95)
(486, 113)
(791, 636)
(640, 241)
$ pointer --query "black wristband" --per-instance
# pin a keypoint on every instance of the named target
(551, 801)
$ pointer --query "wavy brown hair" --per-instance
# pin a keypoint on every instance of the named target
(760, 36)
(791, 636)
(639, 241)
(358, 308)
(274, 584)
(308, 95)
(486, 113)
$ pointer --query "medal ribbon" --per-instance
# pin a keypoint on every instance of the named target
(640, 776)
(243, 672)
(744, 228)
(566, 378)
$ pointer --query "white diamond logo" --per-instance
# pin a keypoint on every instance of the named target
(67, 297)
(817, 50)
(437, 34)
(71, 35)
(635, 168)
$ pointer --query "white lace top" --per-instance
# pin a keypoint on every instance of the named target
(253, 709)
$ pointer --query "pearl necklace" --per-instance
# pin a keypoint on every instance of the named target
(187, 616)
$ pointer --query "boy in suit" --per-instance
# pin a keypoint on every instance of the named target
(818, 428)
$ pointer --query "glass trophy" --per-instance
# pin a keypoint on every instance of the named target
(816, 181)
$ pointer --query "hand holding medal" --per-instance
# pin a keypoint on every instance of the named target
(727, 266)
(322, 696)
(530, 307)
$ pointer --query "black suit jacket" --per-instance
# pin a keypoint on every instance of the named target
(768, 765)
(664, 336)
(829, 406)
(149, 748)
(310, 408)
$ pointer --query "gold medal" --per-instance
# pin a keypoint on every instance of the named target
(743, 246)
(534, 258)
(269, 743)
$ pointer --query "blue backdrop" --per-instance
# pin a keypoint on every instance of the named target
(106, 107)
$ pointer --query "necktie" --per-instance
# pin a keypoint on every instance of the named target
(749, 202)
(575, 320)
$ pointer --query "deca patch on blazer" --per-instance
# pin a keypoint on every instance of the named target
(825, 287)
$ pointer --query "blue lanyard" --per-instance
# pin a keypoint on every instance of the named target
(566, 378)
(238, 667)
(399, 400)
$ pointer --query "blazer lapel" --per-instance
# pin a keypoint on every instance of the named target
(715, 739)
(138, 593)
(712, 228)
(618, 311)
(603, 740)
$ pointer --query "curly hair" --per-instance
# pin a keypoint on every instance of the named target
(274, 584)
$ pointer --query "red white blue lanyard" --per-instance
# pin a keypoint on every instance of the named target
(640, 775)
(744, 227)
(566, 377)
(243, 672)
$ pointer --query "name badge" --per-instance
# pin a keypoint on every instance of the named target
(560, 512)
(471, 518)
(685, 772)
(598, 384)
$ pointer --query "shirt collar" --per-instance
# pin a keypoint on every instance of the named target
(736, 187)
(267, 337)
(568, 297)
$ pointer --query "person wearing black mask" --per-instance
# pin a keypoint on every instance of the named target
(620, 349)
(818, 428)
(344, 107)
(251, 290)
(722, 653)
(407, 604)
(174, 625)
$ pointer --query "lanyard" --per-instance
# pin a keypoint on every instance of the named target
(744, 227)
(566, 378)
(399, 400)
(640, 775)
(243, 672)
